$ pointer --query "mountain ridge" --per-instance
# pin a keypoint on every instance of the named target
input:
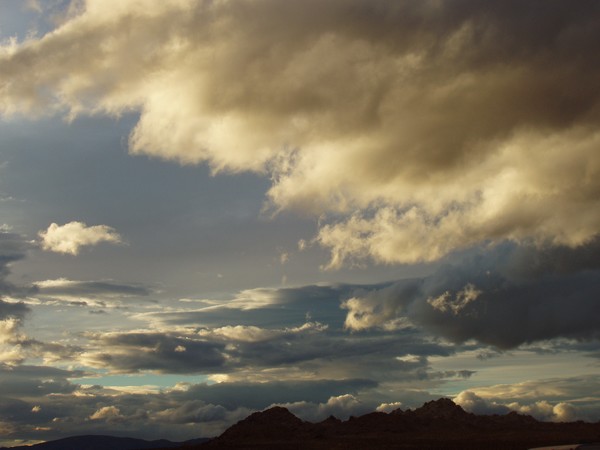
(438, 424)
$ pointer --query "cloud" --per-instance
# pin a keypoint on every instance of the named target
(259, 353)
(135, 351)
(63, 408)
(556, 400)
(388, 407)
(13, 247)
(70, 237)
(341, 406)
(194, 411)
(35, 381)
(259, 396)
(102, 293)
(246, 333)
(15, 345)
(369, 111)
(107, 413)
(12, 313)
(471, 402)
(543, 293)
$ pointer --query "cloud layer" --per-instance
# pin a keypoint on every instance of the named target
(422, 127)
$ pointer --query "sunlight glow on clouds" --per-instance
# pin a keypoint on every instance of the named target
(565, 400)
(459, 135)
(71, 237)
(372, 112)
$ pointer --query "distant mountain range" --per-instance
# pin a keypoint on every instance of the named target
(100, 442)
(439, 425)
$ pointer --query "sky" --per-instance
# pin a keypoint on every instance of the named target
(209, 207)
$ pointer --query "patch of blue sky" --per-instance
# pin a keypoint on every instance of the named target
(161, 381)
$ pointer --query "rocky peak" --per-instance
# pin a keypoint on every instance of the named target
(274, 415)
(275, 421)
(442, 408)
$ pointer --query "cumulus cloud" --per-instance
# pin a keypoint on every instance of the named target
(107, 413)
(70, 237)
(388, 407)
(471, 402)
(543, 293)
(556, 400)
(341, 406)
(371, 110)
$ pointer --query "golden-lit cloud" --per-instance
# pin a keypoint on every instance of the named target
(419, 127)
(555, 399)
(70, 237)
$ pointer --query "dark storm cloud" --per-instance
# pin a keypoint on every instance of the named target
(505, 297)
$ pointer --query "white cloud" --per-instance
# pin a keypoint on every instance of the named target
(372, 112)
(341, 406)
(445, 302)
(556, 400)
(388, 407)
(70, 237)
(250, 333)
(9, 329)
(106, 413)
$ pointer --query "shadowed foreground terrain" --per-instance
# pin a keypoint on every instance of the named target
(439, 424)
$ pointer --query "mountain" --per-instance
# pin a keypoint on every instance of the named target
(439, 424)
(101, 442)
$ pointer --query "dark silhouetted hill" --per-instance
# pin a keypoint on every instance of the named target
(439, 424)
